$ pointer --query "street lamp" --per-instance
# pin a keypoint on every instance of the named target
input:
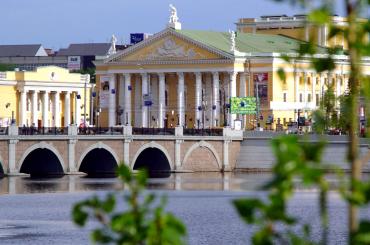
(97, 116)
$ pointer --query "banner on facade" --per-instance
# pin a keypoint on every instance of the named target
(74, 63)
(261, 87)
(243, 105)
(104, 92)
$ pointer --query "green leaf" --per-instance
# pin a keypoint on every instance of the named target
(247, 208)
(319, 16)
(109, 203)
(124, 173)
(79, 216)
(282, 74)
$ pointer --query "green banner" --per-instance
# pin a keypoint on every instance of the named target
(243, 105)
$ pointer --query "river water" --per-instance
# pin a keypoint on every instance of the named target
(38, 211)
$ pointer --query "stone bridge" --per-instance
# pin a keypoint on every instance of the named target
(71, 150)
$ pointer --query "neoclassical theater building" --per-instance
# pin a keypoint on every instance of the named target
(46, 97)
(187, 77)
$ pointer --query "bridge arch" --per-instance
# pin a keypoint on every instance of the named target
(202, 144)
(45, 151)
(157, 150)
(91, 159)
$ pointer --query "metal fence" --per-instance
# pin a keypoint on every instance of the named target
(100, 131)
(3, 130)
(42, 131)
(153, 131)
(203, 131)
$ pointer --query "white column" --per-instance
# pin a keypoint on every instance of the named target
(296, 85)
(45, 110)
(34, 108)
(77, 111)
(313, 93)
(216, 99)
(198, 98)
(232, 94)
(307, 33)
(122, 101)
(243, 93)
(56, 109)
(112, 101)
(322, 78)
(305, 87)
(338, 87)
(67, 109)
(162, 101)
(23, 107)
(144, 92)
(180, 99)
(128, 89)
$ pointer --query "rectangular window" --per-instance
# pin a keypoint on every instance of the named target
(308, 97)
(284, 97)
(308, 80)
(317, 81)
(300, 97)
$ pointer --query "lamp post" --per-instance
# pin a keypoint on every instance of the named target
(204, 109)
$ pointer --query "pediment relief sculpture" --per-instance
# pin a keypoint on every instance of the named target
(169, 49)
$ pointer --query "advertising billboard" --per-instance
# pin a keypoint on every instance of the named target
(243, 105)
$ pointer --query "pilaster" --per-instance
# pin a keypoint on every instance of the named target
(12, 156)
(226, 165)
(71, 155)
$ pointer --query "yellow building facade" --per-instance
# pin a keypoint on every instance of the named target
(186, 78)
(47, 97)
(297, 27)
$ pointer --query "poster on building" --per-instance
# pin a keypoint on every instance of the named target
(74, 63)
(104, 92)
(243, 105)
(261, 86)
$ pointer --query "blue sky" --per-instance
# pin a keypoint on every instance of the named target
(56, 23)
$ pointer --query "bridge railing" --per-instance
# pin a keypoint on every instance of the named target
(42, 131)
(153, 131)
(3, 130)
(100, 131)
(203, 131)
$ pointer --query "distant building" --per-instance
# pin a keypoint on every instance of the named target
(295, 26)
(28, 57)
(80, 55)
(76, 57)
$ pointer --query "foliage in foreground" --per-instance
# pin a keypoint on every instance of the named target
(302, 160)
(142, 221)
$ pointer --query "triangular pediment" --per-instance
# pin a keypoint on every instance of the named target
(168, 45)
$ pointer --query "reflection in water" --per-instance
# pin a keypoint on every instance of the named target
(176, 181)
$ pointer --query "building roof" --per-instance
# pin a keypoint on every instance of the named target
(246, 42)
(85, 49)
(26, 50)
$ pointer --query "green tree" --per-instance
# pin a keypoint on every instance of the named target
(7, 67)
(143, 221)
